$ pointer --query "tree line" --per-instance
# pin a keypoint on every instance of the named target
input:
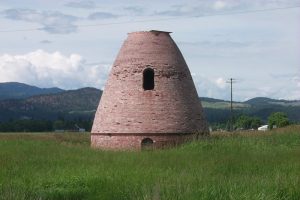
(241, 122)
(31, 125)
(245, 122)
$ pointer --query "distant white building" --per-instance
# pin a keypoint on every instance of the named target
(81, 130)
(263, 128)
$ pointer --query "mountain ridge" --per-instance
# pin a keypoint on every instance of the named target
(16, 90)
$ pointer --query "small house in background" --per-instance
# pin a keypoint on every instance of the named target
(81, 130)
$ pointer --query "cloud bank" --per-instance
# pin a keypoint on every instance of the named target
(46, 69)
(52, 21)
(208, 7)
(102, 15)
(81, 4)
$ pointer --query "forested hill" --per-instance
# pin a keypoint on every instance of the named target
(15, 90)
(219, 110)
(82, 104)
(70, 104)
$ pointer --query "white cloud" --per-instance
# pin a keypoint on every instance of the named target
(52, 69)
(296, 80)
(210, 87)
(221, 83)
(218, 88)
(295, 94)
(218, 5)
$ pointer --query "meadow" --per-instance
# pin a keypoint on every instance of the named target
(245, 165)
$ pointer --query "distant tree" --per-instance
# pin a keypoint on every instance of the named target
(278, 119)
(247, 122)
(214, 126)
(256, 122)
(33, 125)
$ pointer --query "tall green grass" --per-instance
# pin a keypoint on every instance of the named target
(224, 166)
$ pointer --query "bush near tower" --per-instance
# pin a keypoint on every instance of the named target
(278, 119)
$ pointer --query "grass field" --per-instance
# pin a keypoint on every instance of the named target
(250, 165)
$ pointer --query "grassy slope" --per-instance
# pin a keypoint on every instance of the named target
(62, 166)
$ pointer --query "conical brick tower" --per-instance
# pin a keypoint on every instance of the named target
(149, 99)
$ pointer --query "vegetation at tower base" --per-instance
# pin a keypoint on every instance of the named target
(58, 166)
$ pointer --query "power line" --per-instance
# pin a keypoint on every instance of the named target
(157, 20)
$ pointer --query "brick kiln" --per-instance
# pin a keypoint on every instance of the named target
(149, 99)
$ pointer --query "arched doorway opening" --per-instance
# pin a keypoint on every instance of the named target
(148, 79)
(147, 144)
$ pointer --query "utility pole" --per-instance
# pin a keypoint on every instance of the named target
(231, 81)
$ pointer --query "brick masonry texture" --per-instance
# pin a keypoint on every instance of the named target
(133, 142)
(126, 108)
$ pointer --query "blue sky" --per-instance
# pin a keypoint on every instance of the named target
(49, 43)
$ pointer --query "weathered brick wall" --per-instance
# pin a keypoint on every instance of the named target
(172, 107)
(133, 142)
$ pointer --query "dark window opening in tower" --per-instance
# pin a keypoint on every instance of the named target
(148, 79)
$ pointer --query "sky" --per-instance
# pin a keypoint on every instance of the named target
(72, 43)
